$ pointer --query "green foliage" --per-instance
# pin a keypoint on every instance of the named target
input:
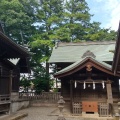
(76, 19)
(42, 79)
(56, 90)
(25, 83)
(18, 17)
(98, 34)
(40, 84)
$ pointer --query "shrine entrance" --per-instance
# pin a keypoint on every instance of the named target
(91, 97)
(89, 107)
(87, 85)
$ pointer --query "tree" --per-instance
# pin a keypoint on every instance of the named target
(25, 83)
(18, 17)
(42, 51)
(95, 33)
(77, 26)
(76, 20)
(49, 17)
(41, 79)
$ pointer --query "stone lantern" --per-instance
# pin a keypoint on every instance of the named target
(61, 106)
(119, 107)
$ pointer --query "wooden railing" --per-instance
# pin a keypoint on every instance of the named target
(5, 103)
(103, 109)
(77, 108)
(44, 96)
(4, 98)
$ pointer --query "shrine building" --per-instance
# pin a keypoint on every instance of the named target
(13, 61)
(89, 73)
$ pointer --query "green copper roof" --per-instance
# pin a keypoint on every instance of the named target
(72, 52)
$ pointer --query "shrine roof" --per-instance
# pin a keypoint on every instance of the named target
(73, 66)
(9, 49)
(72, 52)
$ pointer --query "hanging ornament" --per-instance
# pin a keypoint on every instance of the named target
(84, 85)
(88, 85)
(93, 85)
(103, 84)
(75, 84)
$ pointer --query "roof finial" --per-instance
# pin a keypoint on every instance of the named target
(56, 44)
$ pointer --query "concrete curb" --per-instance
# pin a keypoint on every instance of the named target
(17, 117)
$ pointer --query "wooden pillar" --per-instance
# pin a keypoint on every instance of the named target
(10, 90)
(109, 93)
(71, 93)
(10, 85)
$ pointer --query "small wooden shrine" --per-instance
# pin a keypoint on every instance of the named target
(13, 61)
(89, 74)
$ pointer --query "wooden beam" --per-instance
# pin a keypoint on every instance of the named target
(93, 75)
(91, 81)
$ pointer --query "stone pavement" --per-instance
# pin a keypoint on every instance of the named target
(49, 113)
(45, 113)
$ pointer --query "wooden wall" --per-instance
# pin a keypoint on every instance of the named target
(6, 76)
(4, 79)
(88, 94)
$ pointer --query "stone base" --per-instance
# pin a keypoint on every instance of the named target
(17, 105)
(95, 114)
(14, 96)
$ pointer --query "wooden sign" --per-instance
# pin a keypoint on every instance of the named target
(89, 106)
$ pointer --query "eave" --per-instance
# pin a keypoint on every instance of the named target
(10, 49)
(81, 64)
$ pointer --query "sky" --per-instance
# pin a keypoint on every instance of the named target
(107, 12)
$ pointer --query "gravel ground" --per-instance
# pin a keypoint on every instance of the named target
(49, 113)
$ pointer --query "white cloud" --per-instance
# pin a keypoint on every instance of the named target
(113, 9)
(107, 12)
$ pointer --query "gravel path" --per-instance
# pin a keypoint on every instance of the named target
(46, 113)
